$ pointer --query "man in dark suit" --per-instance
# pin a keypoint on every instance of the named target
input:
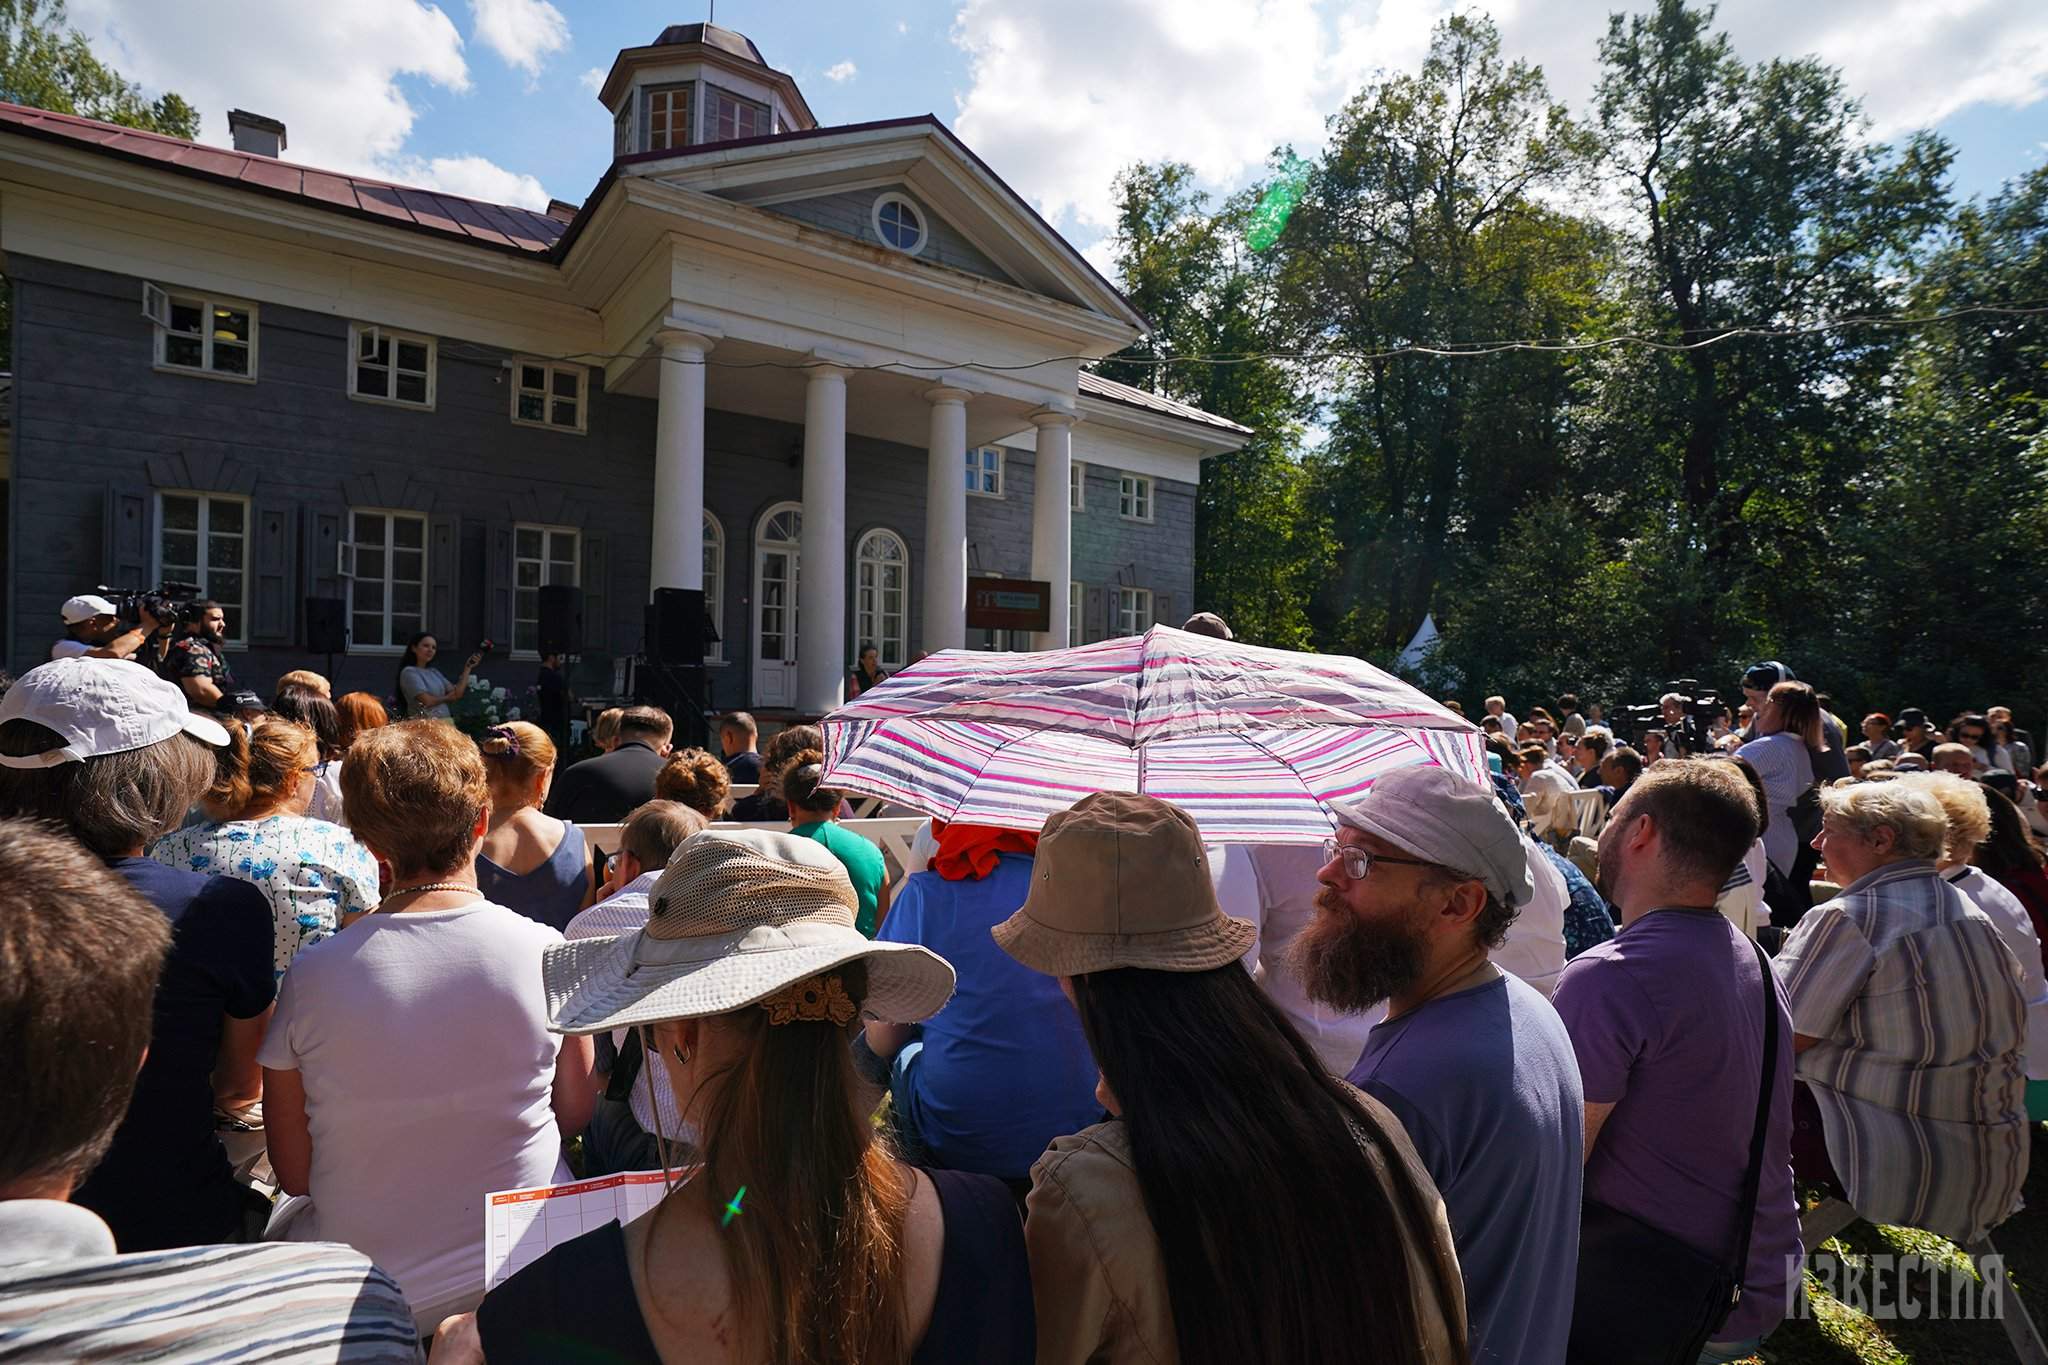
(602, 790)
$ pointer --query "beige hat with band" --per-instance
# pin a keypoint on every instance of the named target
(1121, 881)
(735, 917)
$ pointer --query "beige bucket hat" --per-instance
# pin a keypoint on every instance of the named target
(1121, 881)
(735, 917)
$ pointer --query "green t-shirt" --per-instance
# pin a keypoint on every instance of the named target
(864, 866)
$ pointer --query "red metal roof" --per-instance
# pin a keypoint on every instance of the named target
(502, 226)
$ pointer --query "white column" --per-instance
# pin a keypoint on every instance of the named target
(679, 462)
(1052, 520)
(945, 522)
(822, 664)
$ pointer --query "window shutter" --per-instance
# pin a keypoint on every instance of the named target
(596, 594)
(1162, 609)
(156, 304)
(444, 573)
(320, 532)
(273, 612)
(1092, 615)
(498, 575)
(124, 535)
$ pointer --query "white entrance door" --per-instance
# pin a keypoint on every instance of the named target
(776, 563)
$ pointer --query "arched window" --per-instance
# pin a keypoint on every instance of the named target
(714, 584)
(881, 597)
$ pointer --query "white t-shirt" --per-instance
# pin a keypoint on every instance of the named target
(327, 793)
(421, 1039)
(68, 648)
(2003, 909)
(1786, 766)
(1742, 895)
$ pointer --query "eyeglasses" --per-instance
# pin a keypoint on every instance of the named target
(1358, 862)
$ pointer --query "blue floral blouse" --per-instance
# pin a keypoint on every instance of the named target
(312, 872)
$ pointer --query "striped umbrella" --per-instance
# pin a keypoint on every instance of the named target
(1254, 743)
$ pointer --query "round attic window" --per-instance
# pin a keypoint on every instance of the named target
(900, 224)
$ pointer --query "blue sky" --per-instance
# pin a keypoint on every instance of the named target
(494, 97)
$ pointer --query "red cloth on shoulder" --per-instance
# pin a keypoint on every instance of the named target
(967, 853)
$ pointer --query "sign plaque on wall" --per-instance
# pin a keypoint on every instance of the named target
(1009, 604)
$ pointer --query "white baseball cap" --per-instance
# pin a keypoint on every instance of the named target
(1448, 820)
(100, 706)
(86, 606)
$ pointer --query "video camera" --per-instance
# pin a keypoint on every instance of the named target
(170, 603)
(1690, 734)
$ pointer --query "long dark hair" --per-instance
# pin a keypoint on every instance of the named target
(411, 660)
(816, 1275)
(2006, 851)
(1278, 1238)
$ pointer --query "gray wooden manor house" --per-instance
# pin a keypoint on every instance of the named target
(822, 373)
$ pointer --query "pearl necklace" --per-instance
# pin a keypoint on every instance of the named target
(425, 886)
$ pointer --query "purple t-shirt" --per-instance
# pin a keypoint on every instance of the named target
(1667, 1020)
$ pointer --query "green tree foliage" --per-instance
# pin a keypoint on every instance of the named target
(1862, 500)
(47, 64)
(1189, 271)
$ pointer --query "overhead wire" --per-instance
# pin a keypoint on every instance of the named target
(1449, 350)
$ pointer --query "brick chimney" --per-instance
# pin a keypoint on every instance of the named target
(255, 133)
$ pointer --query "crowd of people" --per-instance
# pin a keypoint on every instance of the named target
(1480, 1078)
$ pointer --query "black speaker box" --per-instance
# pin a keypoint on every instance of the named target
(326, 625)
(675, 626)
(561, 619)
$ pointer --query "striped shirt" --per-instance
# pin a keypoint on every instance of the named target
(1920, 1072)
(65, 1295)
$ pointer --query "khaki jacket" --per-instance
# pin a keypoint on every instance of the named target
(1096, 1277)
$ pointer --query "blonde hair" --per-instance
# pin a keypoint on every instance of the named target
(515, 755)
(308, 679)
(257, 772)
(696, 779)
(606, 728)
(1917, 821)
(1964, 805)
(414, 791)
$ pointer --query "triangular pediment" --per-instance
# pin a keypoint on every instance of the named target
(833, 178)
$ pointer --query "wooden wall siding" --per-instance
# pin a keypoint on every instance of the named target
(851, 214)
(98, 430)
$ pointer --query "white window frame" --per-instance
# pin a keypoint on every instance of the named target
(715, 133)
(1077, 596)
(1077, 487)
(550, 368)
(575, 577)
(1133, 606)
(156, 306)
(880, 637)
(686, 91)
(714, 584)
(924, 222)
(358, 332)
(201, 574)
(345, 555)
(974, 470)
(1135, 491)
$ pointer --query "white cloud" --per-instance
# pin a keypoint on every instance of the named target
(841, 72)
(523, 32)
(473, 177)
(330, 72)
(593, 79)
(902, 26)
(1062, 94)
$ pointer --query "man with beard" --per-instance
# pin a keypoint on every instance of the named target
(1421, 883)
(195, 662)
(1668, 1024)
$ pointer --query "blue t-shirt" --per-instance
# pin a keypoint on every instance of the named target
(166, 1181)
(1487, 1086)
(1004, 1069)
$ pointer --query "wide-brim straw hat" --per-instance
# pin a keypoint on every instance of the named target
(735, 917)
(1121, 880)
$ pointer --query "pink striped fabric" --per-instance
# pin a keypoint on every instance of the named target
(1253, 742)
